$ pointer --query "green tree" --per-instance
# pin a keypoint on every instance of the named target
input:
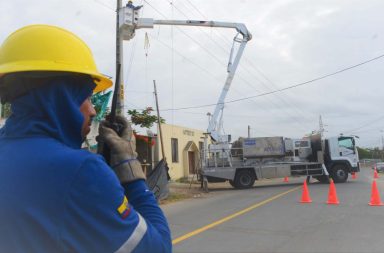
(369, 153)
(364, 153)
(144, 118)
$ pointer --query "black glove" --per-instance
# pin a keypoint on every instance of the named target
(123, 150)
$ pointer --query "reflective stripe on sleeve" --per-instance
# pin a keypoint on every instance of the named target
(135, 237)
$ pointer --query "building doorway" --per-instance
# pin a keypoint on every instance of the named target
(190, 159)
(191, 162)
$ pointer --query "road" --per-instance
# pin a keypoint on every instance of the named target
(269, 218)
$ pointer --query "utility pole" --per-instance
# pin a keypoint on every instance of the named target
(249, 131)
(119, 58)
(321, 126)
(159, 121)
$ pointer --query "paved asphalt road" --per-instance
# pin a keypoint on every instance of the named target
(280, 224)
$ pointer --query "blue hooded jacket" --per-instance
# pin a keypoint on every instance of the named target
(55, 197)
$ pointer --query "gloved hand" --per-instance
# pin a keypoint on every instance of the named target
(123, 150)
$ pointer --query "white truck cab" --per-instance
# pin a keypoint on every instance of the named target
(341, 157)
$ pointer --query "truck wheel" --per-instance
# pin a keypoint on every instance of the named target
(339, 173)
(244, 179)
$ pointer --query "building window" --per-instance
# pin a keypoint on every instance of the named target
(175, 150)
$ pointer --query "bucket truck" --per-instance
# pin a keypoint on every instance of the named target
(248, 159)
(260, 158)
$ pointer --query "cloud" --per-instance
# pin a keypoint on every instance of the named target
(293, 41)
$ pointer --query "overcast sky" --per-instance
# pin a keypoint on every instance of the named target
(293, 41)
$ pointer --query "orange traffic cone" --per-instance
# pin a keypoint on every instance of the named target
(375, 174)
(375, 196)
(354, 175)
(286, 180)
(332, 195)
(305, 198)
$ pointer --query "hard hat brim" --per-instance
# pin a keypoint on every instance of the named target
(102, 82)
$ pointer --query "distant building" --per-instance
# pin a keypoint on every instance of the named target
(182, 148)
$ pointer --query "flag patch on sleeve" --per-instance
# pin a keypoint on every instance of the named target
(124, 209)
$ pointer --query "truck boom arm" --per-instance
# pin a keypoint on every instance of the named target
(130, 21)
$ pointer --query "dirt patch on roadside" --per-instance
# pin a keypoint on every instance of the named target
(181, 191)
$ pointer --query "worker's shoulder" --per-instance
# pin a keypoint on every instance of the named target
(84, 167)
(58, 155)
(61, 153)
(82, 160)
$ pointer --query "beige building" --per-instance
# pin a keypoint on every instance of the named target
(182, 147)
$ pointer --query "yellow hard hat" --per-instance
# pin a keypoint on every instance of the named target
(49, 48)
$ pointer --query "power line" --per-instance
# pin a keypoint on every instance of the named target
(153, 8)
(286, 88)
(194, 7)
(104, 5)
(196, 42)
(208, 51)
(218, 60)
(262, 94)
(257, 70)
(187, 59)
(209, 74)
(200, 28)
(365, 125)
(200, 115)
(215, 42)
(284, 101)
(369, 130)
(274, 85)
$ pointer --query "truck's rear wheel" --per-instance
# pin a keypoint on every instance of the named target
(244, 179)
(339, 173)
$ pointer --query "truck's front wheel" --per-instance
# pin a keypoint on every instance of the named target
(244, 179)
(339, 173)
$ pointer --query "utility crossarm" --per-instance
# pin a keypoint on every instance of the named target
(129, 21)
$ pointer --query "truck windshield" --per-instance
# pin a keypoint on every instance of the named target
(347, 142)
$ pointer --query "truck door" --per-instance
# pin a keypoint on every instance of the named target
(346, 147)
(343, 148)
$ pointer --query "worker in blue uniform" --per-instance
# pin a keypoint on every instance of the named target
(54, 196)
